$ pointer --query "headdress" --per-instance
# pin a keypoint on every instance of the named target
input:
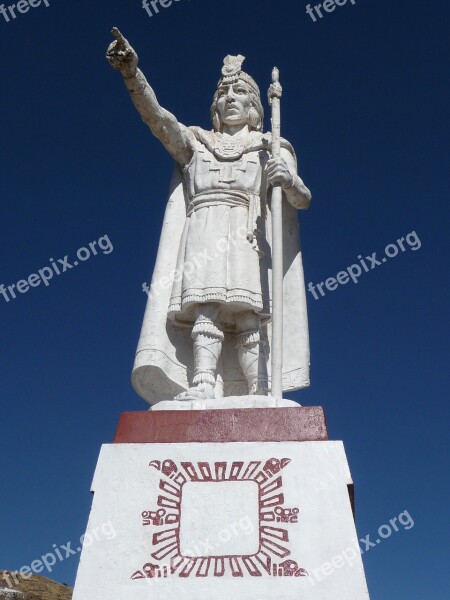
(232, 72)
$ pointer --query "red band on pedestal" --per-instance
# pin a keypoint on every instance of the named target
(305, 424)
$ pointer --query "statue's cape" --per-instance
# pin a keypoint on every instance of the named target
(164, 359)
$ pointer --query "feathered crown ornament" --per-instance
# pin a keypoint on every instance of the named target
(232, 72)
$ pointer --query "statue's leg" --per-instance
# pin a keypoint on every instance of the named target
(208, 338)
(251, 353)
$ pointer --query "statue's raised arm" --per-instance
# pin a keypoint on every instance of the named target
(176, 137)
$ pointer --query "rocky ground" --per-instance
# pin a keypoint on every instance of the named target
(34, 588)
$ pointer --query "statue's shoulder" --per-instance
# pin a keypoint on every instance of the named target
(203, 136)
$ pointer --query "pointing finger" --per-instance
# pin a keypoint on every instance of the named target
(116, 33)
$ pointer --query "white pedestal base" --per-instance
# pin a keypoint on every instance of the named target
(221, 521)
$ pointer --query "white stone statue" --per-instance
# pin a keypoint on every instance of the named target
(207, 328)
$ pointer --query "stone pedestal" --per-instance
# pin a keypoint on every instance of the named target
(249, 504)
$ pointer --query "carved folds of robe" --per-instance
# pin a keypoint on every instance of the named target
(216, 247)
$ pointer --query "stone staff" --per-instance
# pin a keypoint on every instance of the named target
(275, 92)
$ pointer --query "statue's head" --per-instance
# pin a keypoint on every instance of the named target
(237, 99)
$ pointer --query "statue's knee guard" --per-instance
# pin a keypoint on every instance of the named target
(252, 359)
(208, 339)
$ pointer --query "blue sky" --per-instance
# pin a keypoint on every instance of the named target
(365, 105)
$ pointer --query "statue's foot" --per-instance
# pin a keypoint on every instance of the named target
(202, 391)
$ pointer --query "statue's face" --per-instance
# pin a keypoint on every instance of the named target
(233, 103)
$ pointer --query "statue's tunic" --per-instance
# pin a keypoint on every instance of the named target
(219, 256)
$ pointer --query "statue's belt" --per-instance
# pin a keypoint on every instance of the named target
(228, 198)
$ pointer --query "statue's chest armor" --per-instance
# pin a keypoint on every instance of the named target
(209, 171)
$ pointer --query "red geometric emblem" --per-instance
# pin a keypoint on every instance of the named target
(171, 558)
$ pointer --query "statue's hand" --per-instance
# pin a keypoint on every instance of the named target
(121, 55)
(278, 173)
